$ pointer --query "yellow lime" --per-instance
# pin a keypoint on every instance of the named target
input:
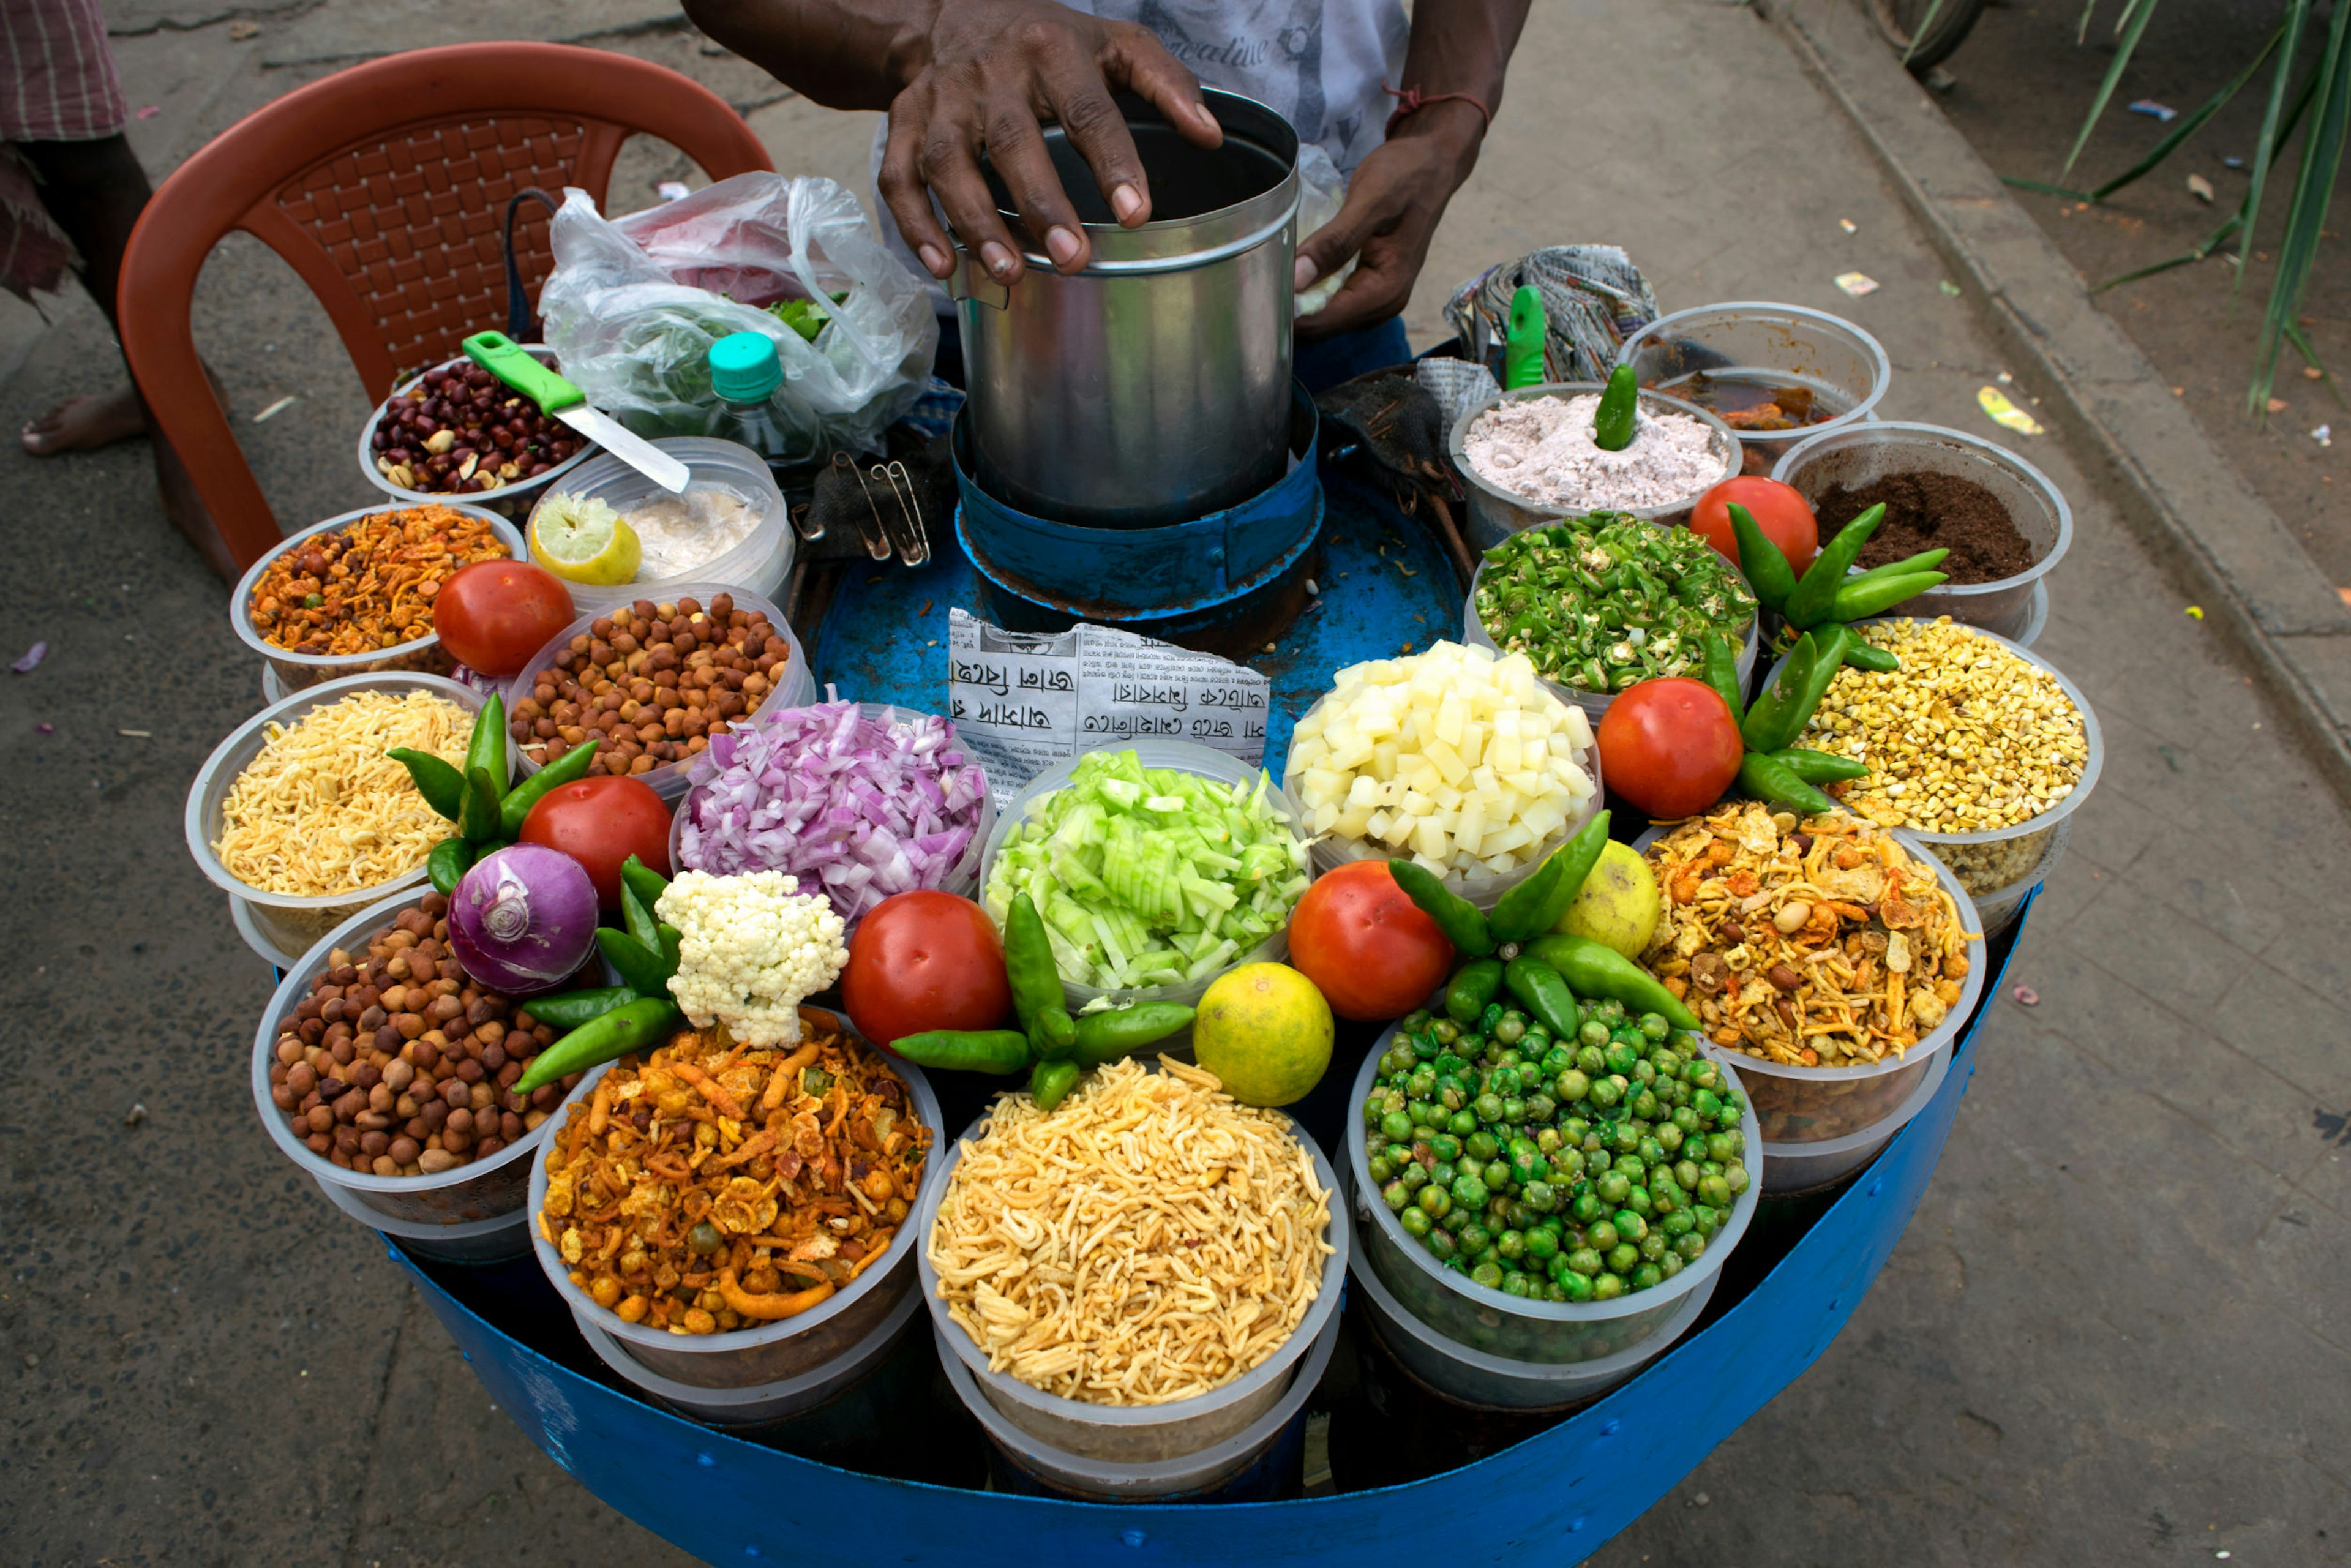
(1617, 905)
(1265, 1030)
(582, 539)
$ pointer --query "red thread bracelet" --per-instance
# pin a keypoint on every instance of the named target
(1411, 98)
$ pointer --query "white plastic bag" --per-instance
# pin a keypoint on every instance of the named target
(1322, 192)
(634, 304)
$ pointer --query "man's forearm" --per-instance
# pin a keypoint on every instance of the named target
(843, 54)
(1460, 46)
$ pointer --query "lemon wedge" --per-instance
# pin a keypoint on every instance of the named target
(581, 539)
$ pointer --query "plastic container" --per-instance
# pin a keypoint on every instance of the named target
(1476, 1377)
(1814, 1105)
(1864, 454)
(2037, 617)
(478, 1190)
(1512, 1327)
(787, 1348)
(756, 566)
(1495, 513)
(1802, 1167)
(240, 914)
(1996, 860)
(1595, 705)
(963, 879)
(1997, 909)
(498, 1239)
(1187, 758)
(760, 1404)
(1758, 343)
(1483, 888)
(295, 671)
(514, 500)
(1134, 1434)
(1161, 1480)
(797, 690)
(287, 922)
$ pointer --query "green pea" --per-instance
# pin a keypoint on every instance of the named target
(1439, 1241)
(1669, 1139)
(1576, 1288)
(1397, 1196)
(1461, 1124)
(1396, 1128)
(1585, 1261)
(1645, 1105)
(1735, 1178)
(1607, 1091)
(1417, 1021)
(1671, 1264)
(1446, 1030)
(1548, 1140)
(1571, 1086)
(1442, 1172)
(1435, 1201)
(1678, 1224)
(1556, 1061)
(1624, 1137)
(1614, 1188)
(1691, 1248)
(1654, 1245)
(1488, 1108)
(1540, 1245)
(1607, 1288)
(1396, 1061)
(1601, 1235)
(1707, 1105)
(1414, 1178)
(1446, 1146)
(1541, 1197)
(1474, 1239)
(1380, 1170)
(1566, 1165)
(1649, 1276)
(1487, 1274)
(1624, 1258)
(1621, 1057)
(1422, 1084)
(1715, 1190)
(1686, 1175)
(1510, 1030)
(1655, 1027)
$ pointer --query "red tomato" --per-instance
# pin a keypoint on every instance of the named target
(601, 821)
(1371, 951)
(495, 615)
(1670, 747)
(1781, 511)
(923, 961)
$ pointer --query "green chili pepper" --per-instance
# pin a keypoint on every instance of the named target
(639, 918)
(1116, 1032)
(648, 883)
(1049, 1082)
(1516, 913)
(1869, 656)
(1035, 978)
(1613, 426)
(1595, 969)
(630, 1027)
(577, 1009)
(1860, 600)
(1575, 859)
(966, 1050)
(1544, 990)
(1473, 985)
(1831, 641)
(638, 966)
(478, 817)
(573, 764)
(1772, 722)
(671, 941)
(1765, 564)
(1810, 601)
(442, 787)
(1818, 766)
(447, 865)
(1722, 674)
(1925, 561)
(1773, 781)
(1463, 923)
(485, 749)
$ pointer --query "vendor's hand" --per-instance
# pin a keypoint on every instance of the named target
(993, 70)
(1395, 198)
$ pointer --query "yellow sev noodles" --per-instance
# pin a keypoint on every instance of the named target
(321, 810)
(1149, 1239)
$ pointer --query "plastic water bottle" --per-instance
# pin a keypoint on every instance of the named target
(745, 373)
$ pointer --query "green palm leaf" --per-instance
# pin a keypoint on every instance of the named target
(2306, 218)
(2275, 128)
(2130, 25)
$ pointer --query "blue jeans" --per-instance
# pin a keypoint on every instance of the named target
(1322, 364)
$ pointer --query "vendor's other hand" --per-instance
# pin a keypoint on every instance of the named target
(1395, 198)
(994, 70)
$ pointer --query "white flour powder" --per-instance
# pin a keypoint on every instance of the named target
(1542, 449)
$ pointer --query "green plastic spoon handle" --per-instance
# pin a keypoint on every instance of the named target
(1522, 344)
(511, 363)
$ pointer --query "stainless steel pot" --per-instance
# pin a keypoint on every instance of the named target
(1153, 386)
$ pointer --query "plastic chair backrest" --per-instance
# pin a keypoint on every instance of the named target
(385, 187)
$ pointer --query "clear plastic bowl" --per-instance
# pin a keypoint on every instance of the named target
(1186, 757)
(1483, 888)
(789, 1347)
(1134, 1434)
(294, 671)
(1595, 705)
(240, 914)
(1512, 1327)
(732, 1409)
(1113, 1480)
(1495, 513)
(757, 566)
(963, 878)
(476, 1191)
(1801, 1167)
(1990, 862)
(668, 780)
(1475, 1377)
(2037, 617)
(1761, 343)
(1997, 909)
(1813, 1104)
(514, 500)
(1864, 454)
(498, 1239)
(288, 922)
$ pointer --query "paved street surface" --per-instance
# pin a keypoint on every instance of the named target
(2116, 1330)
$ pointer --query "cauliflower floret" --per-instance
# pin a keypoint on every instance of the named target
(750, 947)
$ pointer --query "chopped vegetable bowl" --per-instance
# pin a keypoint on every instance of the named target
(1156, 868)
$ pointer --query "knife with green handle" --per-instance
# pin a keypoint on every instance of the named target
(559, 399)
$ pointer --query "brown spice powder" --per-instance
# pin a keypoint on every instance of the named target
(1933, 511)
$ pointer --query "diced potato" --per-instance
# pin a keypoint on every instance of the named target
(1488, 786)
(1504, 753)
(1450, 715)
(1418, 804)
(1449, 764)
(1377, 827)
(1384, 759)
(1503, 841)
(1426, 778)
(1325, 817)
(1320, 783)
(1429, 840)
(1354, 823)
(1542, 819)
(1399, 829)
(1526, 781)
(1473, 742)
(1355, 754)
(1470, 826)
(1446, 795)
(1365, 791)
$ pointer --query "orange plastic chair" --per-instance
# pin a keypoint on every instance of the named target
(384, 187)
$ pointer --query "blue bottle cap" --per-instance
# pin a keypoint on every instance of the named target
(744, 368)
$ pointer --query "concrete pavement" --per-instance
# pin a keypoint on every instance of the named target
(2111, 1335)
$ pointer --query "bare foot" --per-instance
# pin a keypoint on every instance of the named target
(85, 423)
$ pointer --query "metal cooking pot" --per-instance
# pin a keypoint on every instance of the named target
(1153, 387)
